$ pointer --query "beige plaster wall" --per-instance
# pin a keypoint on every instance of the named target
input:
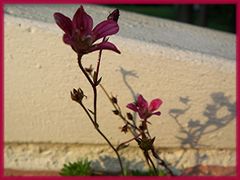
(198, 92)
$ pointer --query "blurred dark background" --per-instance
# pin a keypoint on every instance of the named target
(219, 17)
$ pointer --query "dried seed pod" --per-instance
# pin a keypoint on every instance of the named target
(77, 95)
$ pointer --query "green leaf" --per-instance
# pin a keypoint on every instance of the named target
(79, 168)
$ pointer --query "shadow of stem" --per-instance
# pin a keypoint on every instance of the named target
(196, 129)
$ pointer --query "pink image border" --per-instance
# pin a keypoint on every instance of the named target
(3, 2)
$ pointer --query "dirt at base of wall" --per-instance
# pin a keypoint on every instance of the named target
(199, 170)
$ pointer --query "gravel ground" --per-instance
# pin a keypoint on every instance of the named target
(135, 26)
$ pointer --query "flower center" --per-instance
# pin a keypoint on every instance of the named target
(82, 42)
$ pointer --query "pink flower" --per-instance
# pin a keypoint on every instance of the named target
(143, 109)
(80, 34)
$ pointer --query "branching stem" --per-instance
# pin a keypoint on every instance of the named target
(94, 119)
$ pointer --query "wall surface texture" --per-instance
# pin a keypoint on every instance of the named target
(44, 128)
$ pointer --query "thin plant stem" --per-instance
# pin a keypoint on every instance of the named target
(150, 159)
(88, 114)
(93, 120)
(95, 103)
(114, 149)
(147, 160)
(99, 60)
(144, 124)
(83, 70)
(101, 133)
(162, 162)
(95, 86)
(128, 141)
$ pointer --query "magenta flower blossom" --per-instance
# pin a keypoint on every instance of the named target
(80, 34)
(143, 109)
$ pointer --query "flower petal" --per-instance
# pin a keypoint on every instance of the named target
(142, 103)
(63, 22)
(154, 105)
(142, 114)
(67, 39)
(104, 45)
(114, 15)
(105, 28)
(132, 107)
(157, 113)
(82, 21)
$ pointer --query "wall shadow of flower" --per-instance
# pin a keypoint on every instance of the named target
(125, 74)
(196, 128)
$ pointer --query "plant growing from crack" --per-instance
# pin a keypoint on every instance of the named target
(81, 36)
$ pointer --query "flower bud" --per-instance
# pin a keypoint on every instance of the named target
(77, 95)
(116, 112)
(129, 116)
(114, 15)
(124, 128)
(114, 100)
(89, 69)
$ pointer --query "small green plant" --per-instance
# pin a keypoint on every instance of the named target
(79, 168)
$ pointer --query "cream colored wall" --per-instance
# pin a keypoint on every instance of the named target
(40, 72)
